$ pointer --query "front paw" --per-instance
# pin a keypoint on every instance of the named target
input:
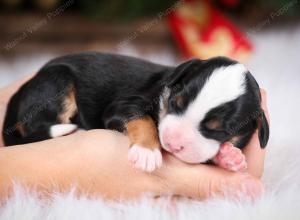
(230, 158)
(144, 158)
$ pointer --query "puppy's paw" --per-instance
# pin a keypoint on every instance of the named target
(144, 158)
(230, 158)
(60, 130)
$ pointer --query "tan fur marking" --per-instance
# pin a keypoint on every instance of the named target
(69, 107)
(179, 101)
(20, 128)
(213, 124)
(143, 132)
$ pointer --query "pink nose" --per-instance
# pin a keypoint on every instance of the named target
(174, 148)
(173, 141)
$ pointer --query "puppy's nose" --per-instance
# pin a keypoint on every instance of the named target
(174, 140)
(174, 148)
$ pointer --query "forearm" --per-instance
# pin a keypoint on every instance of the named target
(49, 166)
(255, 157)
(42, 166)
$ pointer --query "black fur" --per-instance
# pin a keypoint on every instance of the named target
(113, 89)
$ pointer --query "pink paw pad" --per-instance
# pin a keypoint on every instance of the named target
(145, 159)
(230, 158)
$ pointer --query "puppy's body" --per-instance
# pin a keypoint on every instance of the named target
(103, 85)
(96, 90)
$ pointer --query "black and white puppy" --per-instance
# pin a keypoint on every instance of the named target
(189, 110)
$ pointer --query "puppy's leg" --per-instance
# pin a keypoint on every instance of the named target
(67, 112)
(145, 151)
(43, 108)
(130, 115)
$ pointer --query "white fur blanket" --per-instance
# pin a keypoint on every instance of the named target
(276, 66)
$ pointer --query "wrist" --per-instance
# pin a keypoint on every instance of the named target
(179, 178)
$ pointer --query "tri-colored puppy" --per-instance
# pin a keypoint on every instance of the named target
(189, 110)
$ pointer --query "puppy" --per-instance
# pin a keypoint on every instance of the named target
(189, 110)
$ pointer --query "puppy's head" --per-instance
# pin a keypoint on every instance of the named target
(206, 103)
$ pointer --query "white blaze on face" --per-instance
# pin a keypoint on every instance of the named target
(224, 85)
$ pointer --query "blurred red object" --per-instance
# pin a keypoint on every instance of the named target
(202, 31)
(230, 3)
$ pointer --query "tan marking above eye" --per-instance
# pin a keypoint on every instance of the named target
(179, 100)
(69, 106)
(213, 124)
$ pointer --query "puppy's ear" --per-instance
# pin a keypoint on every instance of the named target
(263, 132)
(180, 71)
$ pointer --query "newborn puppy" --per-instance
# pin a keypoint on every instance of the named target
(190, 110)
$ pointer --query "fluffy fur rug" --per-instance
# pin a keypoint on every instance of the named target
(276, 65)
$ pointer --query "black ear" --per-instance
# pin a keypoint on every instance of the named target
(263, 132)
(180, 71)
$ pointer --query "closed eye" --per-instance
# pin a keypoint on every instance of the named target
(177, 103)
(213, 129)
(213, 124)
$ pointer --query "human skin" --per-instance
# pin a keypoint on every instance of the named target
(96, 163)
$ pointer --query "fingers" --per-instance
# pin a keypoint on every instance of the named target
(263, 94)
(239, 186)
(264, 106)
(255, 156)
(205, 181)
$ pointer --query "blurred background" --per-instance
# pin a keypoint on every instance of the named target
(263, 34)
